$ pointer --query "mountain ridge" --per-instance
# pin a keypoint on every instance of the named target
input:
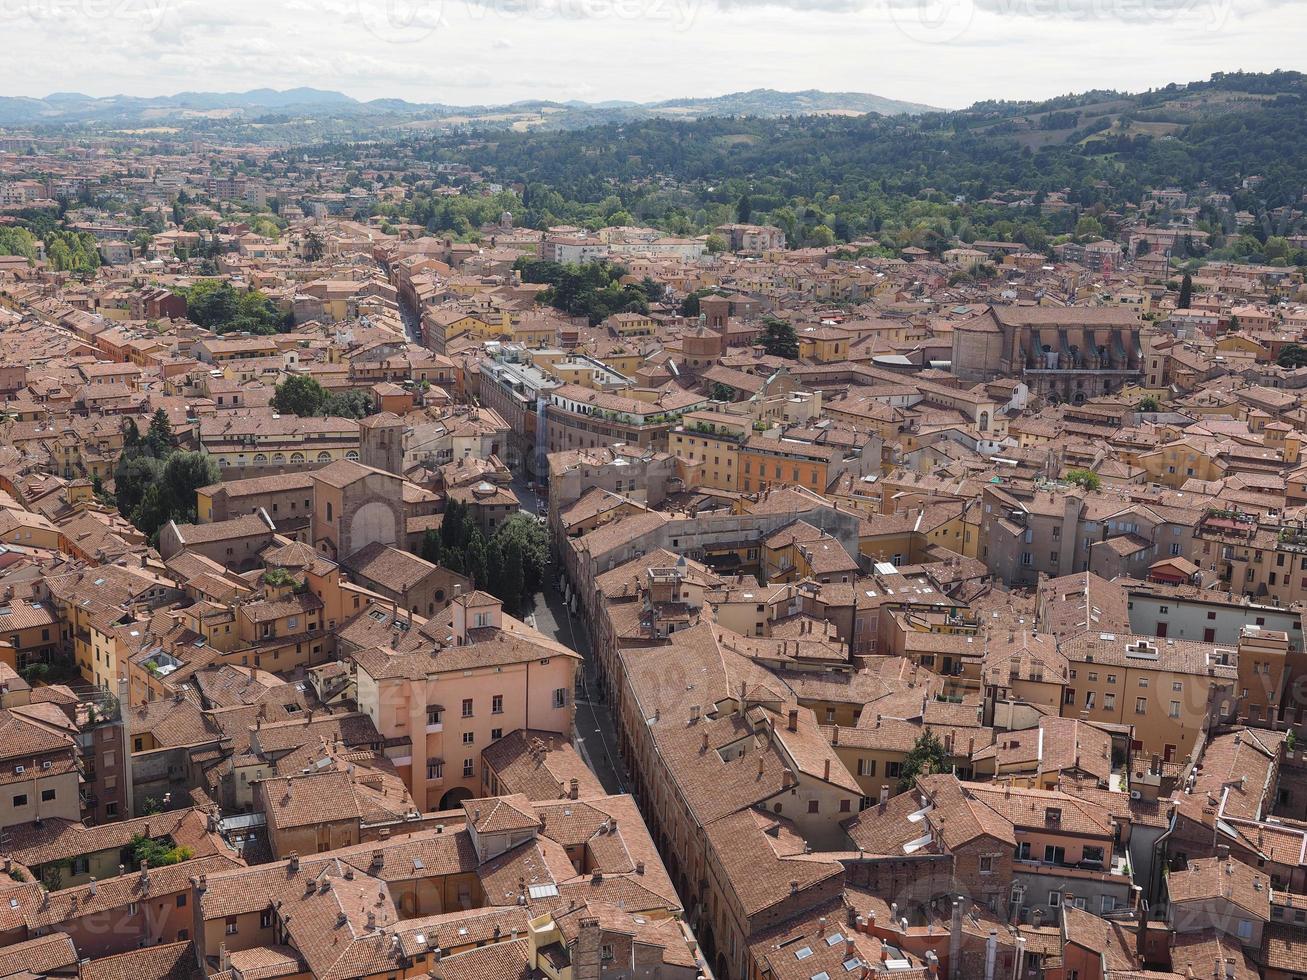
(75, 108)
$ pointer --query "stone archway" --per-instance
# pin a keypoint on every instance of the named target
(455, 798)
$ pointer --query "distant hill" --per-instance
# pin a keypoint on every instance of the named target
(74, 108)
(769, 102)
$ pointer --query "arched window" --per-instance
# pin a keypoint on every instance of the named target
(324, 457)
(260, 459)
(279, 457)
(352, 455)
(297, 457)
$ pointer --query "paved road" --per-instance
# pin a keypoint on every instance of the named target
(532, 502)
(412, 321)
(595, 734)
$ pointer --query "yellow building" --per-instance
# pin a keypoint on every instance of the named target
(709, 444)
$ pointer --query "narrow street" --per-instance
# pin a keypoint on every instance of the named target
(595, 734)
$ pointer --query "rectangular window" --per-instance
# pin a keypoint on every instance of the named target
(47, 795)
(497, 704)
(469, 738)
(467, 707)
(560, 697)
(986, 864)
(1175, 709)
(1141, 706)
(469, 766)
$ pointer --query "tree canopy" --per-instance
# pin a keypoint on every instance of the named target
(216, 304)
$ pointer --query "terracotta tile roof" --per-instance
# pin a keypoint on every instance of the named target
(1113, 940)
(500, 961)
(1222, 880)
(540, 766)
(54, 953)
(172, 961)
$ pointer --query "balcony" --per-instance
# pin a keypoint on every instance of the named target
(1118, 867)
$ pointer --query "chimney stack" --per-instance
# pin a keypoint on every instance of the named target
(793, 720)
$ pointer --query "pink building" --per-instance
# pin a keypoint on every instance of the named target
(467, 679)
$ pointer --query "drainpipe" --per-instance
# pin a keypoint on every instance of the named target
(1019, 961)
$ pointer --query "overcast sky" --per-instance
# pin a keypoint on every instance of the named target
(946, 53)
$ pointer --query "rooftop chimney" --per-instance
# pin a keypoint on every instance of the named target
(794, 720)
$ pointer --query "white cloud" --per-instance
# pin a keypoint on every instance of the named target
(943, 52)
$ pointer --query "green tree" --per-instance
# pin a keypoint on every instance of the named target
(216, 305)
(1084, 478)
(531, 539)
(432, 548)
(821, 236)
(477, 559)
(1148, 404)
(924, 759)
(153, 512)
(1089, 227)
(349, 405)
(314, 246)
(299, 395)
(131, 434)
(779, 339)
(158, 853)
(512, 575)
(183, 474)
(18, 241)
(722, 392)
(1186, 292)
(451, 526)
(160, 438)
(134, 472)
(1292, 356)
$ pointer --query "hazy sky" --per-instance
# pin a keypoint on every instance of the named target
(942, 52)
